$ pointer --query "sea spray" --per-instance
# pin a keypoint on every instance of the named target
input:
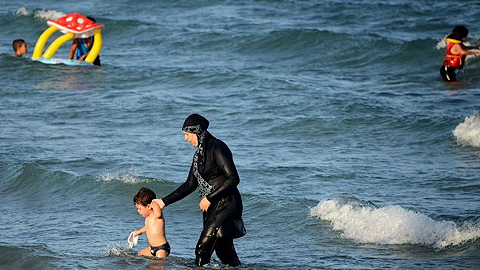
(468, 132)
(392, 225)
(126, 177)
(117, 249)
(40, 14)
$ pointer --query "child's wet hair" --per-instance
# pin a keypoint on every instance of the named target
(144, 196)
(18, 43)
(461, 30)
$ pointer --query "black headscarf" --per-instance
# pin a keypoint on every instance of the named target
(194, 120)
(198, 125)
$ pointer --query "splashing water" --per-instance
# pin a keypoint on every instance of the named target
(468, 132)
(117, 250)
(40, 14)
(392, 225)
(22, 11)
(128, 178)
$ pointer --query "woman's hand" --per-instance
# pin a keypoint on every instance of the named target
(159, 202)
(204, 204)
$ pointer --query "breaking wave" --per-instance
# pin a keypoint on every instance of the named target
(392, 225)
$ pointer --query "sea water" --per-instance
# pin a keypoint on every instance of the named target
(352, 152)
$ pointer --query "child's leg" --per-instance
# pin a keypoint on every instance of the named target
(145, 252)
(161, 254)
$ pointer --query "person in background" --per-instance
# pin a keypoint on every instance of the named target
(19, 47)
(81, 47)
(456, 53)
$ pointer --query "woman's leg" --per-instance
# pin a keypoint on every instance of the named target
(226, 251)
(205, 247)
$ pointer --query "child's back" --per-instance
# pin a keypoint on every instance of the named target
(154, 224)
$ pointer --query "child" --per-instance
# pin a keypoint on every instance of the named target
(19, 47)
(154, 224)
(81, 47)
(456, 53)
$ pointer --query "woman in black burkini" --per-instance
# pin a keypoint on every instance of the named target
(214, 174)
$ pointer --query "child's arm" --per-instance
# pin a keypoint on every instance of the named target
(139, 231)
(71, 53)
(472, 47)
(457, 49)
(157, 211)
(82, 58)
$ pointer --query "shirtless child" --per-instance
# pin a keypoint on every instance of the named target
(154, 224)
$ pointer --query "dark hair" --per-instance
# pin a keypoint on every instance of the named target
(144, 196)
(91, 19)
(455, 36)
(18, 43)
(461, 30)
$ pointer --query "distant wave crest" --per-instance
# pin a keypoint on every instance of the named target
(392, 225)
(125, 177)
(41, 14)
(468, 132)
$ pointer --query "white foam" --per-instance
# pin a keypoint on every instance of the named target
(48, 14)
(468, 132)
(40, 14)
(117, 250)
(392, 225)
(22, 11)
(128, 178)
(441, 44)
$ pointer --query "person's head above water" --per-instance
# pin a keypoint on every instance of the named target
(19, 47)
(144, 196)
(195, 125)
(461, 30)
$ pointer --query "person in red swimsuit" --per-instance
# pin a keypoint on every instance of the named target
(456, 53)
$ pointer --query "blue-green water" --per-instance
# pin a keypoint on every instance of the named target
(352, 152)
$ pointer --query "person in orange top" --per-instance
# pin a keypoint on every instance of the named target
(456, 53)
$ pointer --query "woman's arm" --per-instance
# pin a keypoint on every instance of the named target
(224, 161)
(183, 190)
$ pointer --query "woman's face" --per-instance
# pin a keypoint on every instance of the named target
(191, 138)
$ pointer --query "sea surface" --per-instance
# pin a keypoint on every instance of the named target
(351, 150)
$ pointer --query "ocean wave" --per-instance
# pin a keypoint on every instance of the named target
(393, 225)
(468, 132)
(35, 179)
(28, 257)
(40, 14)
(32, 177)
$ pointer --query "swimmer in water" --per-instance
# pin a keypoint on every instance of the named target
(81, 47)
(456, 53)
(19, 47)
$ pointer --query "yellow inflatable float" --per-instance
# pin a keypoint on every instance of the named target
(73, 25)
